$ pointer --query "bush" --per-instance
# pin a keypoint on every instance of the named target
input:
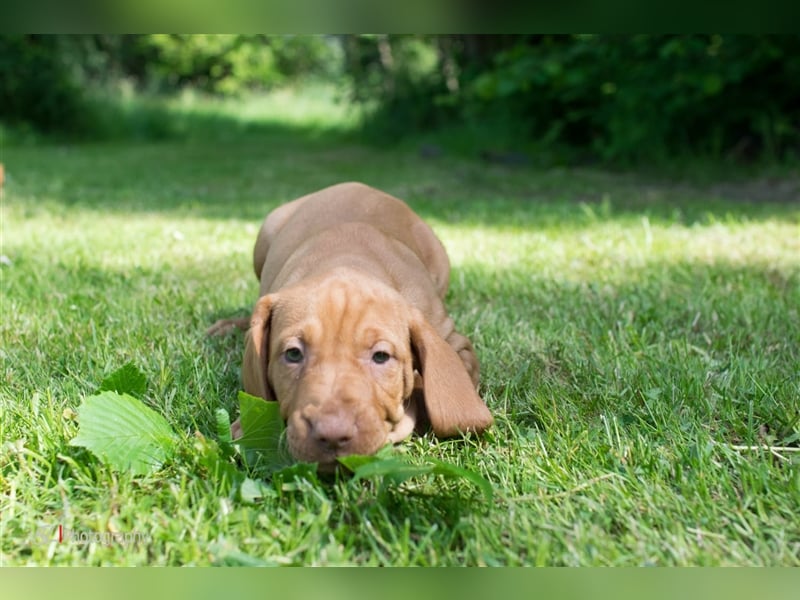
(62, 83)
(628, 98)
(400, 82)
(37, 85)
(232, 64)
(613, 98)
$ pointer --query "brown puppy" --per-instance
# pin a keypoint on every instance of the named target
(350, 335)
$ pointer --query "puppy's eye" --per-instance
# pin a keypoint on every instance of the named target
(293, 355)
(380, 357)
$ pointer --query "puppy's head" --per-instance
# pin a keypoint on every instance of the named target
(339, 355)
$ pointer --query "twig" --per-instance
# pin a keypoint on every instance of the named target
(774, 450)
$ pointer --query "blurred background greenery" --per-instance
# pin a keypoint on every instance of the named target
(548, 99)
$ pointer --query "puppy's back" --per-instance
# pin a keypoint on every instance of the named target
(291, 225)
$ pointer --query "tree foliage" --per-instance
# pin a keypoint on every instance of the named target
(608, 97)
(46, 80)
(36, 86)
(233, 64)
(616, 98)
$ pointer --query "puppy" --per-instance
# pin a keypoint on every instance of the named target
(350, 334)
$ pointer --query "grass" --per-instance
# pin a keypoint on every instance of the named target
(639, 340)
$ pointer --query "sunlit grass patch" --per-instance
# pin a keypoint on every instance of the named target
(124, 113)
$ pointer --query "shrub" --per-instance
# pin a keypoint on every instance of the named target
(616, 98)
(37, 86)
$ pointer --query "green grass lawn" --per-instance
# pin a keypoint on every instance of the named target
(639, 339)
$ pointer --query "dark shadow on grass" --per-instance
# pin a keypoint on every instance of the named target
(215, 166)
(696, 345)
(378, 519)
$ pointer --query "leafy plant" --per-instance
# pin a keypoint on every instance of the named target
(394, 470)
(126, 380)
(263, 427)
(120, 430)
(127, 435)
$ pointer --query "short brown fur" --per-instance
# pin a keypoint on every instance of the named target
(353, 282)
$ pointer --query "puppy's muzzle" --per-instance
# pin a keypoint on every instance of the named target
(331, 433)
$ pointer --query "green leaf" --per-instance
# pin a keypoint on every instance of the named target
(128, 379)
(354, 461)
(223, 422)
(262, 424)
(396, 470)
(124, 433)
(262, 432)
(454, 471)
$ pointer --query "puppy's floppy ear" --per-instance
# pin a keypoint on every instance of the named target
(256, 351)
(450, 398)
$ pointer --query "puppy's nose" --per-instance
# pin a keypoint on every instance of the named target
(333, 431)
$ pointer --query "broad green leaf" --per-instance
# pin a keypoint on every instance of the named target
(124, 433)
(397, 470)
(450, 470)
(394, 470)
(262, 432)
(262, 425)
(354, 461)
(128, 379)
